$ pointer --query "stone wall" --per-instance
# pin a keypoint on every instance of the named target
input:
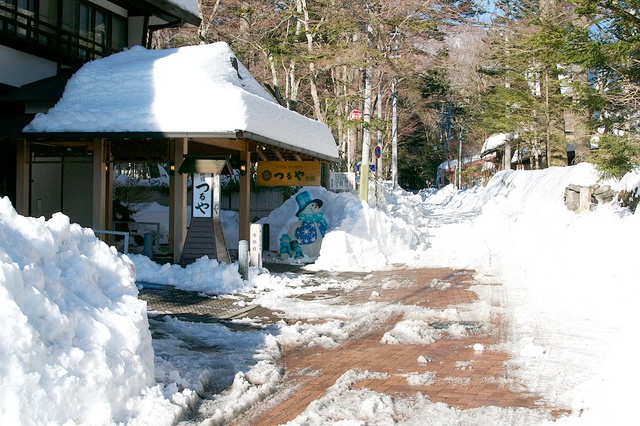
(580, 198)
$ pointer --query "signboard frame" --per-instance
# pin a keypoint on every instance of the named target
(342, 181)
(289, 173)
(205, 201)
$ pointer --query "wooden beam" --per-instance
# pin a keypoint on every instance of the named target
(99, 207)
(178, 201)
(109, 184)
(230, 144)
(23, 177)
(245, 196)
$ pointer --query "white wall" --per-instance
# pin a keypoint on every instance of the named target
(65, 186)
(136, 30)
(19, 68)
(46, 188)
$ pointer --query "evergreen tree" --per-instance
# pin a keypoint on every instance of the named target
(608, 45)
(527, 68)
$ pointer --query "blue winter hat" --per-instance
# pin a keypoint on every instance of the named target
(304, 199)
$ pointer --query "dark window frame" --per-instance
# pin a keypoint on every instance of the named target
(62, 40)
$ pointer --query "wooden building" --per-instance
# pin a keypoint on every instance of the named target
(196, 108)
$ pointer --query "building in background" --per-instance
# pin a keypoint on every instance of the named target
(42, 43)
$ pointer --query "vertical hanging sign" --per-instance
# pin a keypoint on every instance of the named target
(216, 195)
(202, 195)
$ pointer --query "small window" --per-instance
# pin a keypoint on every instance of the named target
(100, 28)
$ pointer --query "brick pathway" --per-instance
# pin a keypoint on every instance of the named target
(455, 373)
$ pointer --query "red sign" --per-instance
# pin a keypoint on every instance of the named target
(377, 151)
(356, 114)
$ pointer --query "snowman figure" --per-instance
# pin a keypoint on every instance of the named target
(285, 246)
(311, 226)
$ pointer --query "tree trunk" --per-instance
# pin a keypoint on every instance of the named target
(205, 26)
(556, 141)
(312, 66)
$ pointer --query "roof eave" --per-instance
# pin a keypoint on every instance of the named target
(163, 9)
(236, 134)
(267, 141)
(176, 11)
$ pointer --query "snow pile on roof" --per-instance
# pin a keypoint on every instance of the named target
(453, 163)
(495, 141)
(194, 90)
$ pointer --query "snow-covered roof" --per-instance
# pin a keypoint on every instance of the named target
(495, 141)
(453, 163)
(195, 91)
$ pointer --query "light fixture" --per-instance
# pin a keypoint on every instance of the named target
(243, 168)
(172, 169)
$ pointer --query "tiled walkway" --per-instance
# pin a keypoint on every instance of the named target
(448, 370)
(189, 305)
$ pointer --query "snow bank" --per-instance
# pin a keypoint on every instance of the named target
(205, 275)
(359, 238)
(570, 283)
(75, 347)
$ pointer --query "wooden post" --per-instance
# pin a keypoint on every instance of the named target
(178, 201)
(245, 196)
(585, 198)
(109, 184)
(23, 177)
(507, 155)
(99, 186)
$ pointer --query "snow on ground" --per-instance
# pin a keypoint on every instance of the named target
(76, 346)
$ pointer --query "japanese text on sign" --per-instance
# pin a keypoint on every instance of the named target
(342, 181)
(202, 195)
(289, 173)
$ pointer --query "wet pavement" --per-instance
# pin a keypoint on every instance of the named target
(197, 307)
(191, 306)
(448, 370)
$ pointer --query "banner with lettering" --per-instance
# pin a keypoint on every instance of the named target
(289, 173)
(202, 195)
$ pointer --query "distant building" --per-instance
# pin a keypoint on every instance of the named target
(475, 171)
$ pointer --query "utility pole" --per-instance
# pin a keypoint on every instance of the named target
(394, 134)
(366, 130)
(378, 149)
(349, 148)
(460, 160)
(366, 137)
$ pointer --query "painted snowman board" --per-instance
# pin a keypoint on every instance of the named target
(305, 235)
